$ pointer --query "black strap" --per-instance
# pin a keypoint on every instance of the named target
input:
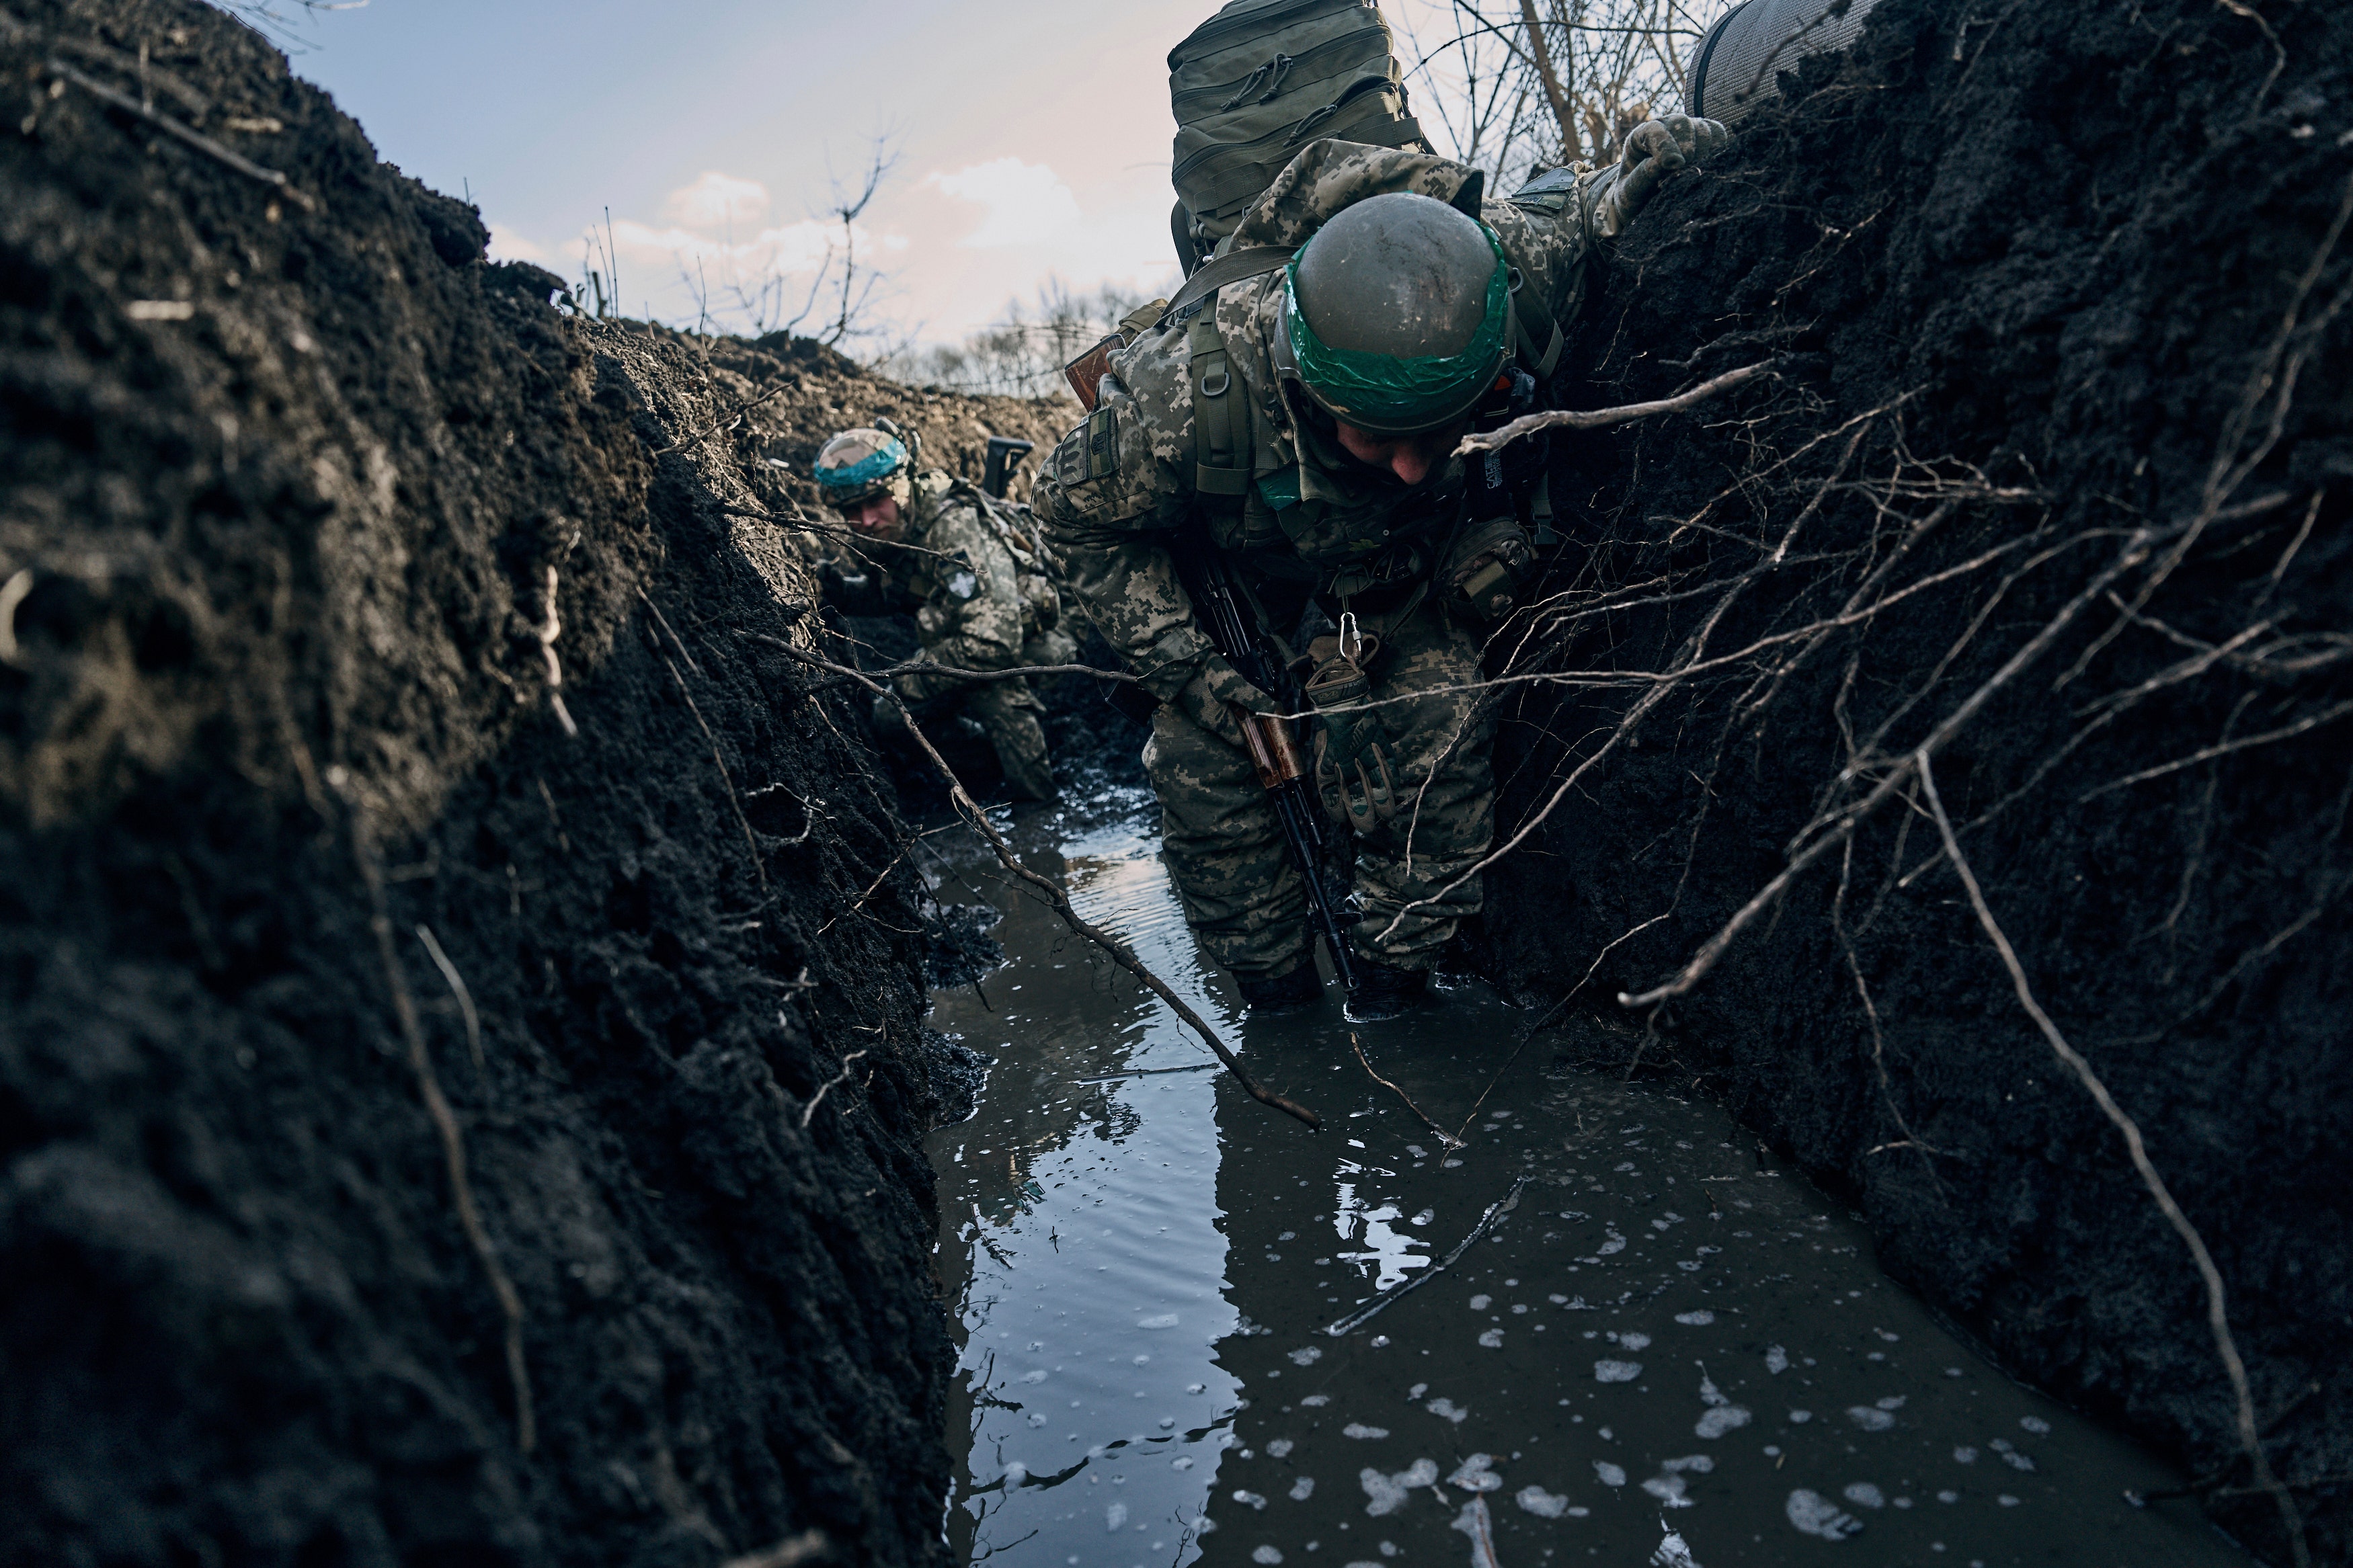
(1221, 445)
(1254, 261)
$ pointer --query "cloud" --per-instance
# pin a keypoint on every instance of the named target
(506, 245)
(793, 247)
(717, 203)
(1021, 204)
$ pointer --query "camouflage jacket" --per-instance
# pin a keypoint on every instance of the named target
(975, 592)
(1123, 478)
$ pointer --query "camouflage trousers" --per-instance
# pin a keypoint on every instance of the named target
(1007, 711)
(1242, 894)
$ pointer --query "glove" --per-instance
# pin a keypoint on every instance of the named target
(1653, 150)
(1351, 769)
(1209, 698)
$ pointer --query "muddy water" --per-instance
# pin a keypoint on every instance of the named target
(1663, 1353)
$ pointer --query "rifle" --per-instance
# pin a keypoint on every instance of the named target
(1005, 455)
(1273, 744)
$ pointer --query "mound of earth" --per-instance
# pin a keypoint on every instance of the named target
(2052, 476)
(460, 1070)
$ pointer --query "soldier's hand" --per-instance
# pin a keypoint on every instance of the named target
(1210, 697)
(1653, 150)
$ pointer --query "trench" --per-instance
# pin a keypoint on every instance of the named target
(1669, 1351)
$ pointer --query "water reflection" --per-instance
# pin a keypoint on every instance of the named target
(1662, 1353)
(1083, 1244)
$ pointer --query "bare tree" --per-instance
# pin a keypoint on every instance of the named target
(854, 290)
(1022, 353)
(1546, 82)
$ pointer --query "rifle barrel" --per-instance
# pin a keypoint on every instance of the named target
(1274, 746)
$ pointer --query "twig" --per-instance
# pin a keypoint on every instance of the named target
(647, 600)
(1596, 418)
(719, 762)
(453, 1141)
(2136, 550)
(786, 1553)
(728, 419)
(1145, 1072)
(196, 139)
(2288, 731)
(1444, 1137)
(2217, 1318)
(1057, 899)
(842, 1077)
(1495, 1211)
(458, 988)
(926, 667)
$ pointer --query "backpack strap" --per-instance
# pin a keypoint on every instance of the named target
(1221, 443)
(1252, 261)
(1540, 338)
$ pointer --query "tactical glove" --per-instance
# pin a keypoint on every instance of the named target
(1653, 150)
(1209, 698)
(1351, 769)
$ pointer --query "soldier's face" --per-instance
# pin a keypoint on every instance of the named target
(876, 519)
(1411, 459)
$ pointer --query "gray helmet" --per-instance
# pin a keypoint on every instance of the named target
(1398, 314)
(860, 465)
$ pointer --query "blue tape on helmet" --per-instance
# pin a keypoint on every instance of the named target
(880, 464)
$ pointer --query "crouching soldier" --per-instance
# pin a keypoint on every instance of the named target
(932, 545)
(1294, 415)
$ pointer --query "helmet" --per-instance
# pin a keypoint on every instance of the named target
(1396, 314)
(862, 464)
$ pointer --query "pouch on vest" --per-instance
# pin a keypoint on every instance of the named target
(1484, 569)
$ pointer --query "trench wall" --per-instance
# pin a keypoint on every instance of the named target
(2029, 280)
(357, 592)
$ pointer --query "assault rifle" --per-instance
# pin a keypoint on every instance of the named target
(1273, 742)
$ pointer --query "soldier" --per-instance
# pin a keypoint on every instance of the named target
(1302, 420)
(933, 545)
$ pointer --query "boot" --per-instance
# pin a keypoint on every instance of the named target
(1265, 994)
(1383, 991)
(1021, 744)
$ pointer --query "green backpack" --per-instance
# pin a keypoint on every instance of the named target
(1260, 79)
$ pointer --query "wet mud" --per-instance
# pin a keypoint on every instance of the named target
(1664, 1342)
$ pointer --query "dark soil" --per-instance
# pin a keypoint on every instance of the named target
(2065, 236)
(298, 495)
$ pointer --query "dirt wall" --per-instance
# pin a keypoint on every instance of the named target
(398, 708)
(2046, 293)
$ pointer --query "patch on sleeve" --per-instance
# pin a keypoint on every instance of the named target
(1547, 193)
(1090, 452)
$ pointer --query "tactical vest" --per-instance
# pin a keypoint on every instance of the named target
(1034, 567)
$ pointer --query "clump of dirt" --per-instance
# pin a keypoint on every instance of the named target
(2052, 477)
(461, 1078)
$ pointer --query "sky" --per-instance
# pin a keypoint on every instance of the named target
(1031, 138)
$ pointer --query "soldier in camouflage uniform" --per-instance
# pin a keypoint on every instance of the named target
(932, 545)
(1304, 420)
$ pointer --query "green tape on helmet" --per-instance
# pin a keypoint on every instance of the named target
(1393, 390)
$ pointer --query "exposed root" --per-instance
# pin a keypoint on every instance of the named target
(457, 989)
(806, 1547)
(1056, 898)
(842, 1077)
(445, 1123)
(751, 841)
(2217, 1318)
(1600, 419)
